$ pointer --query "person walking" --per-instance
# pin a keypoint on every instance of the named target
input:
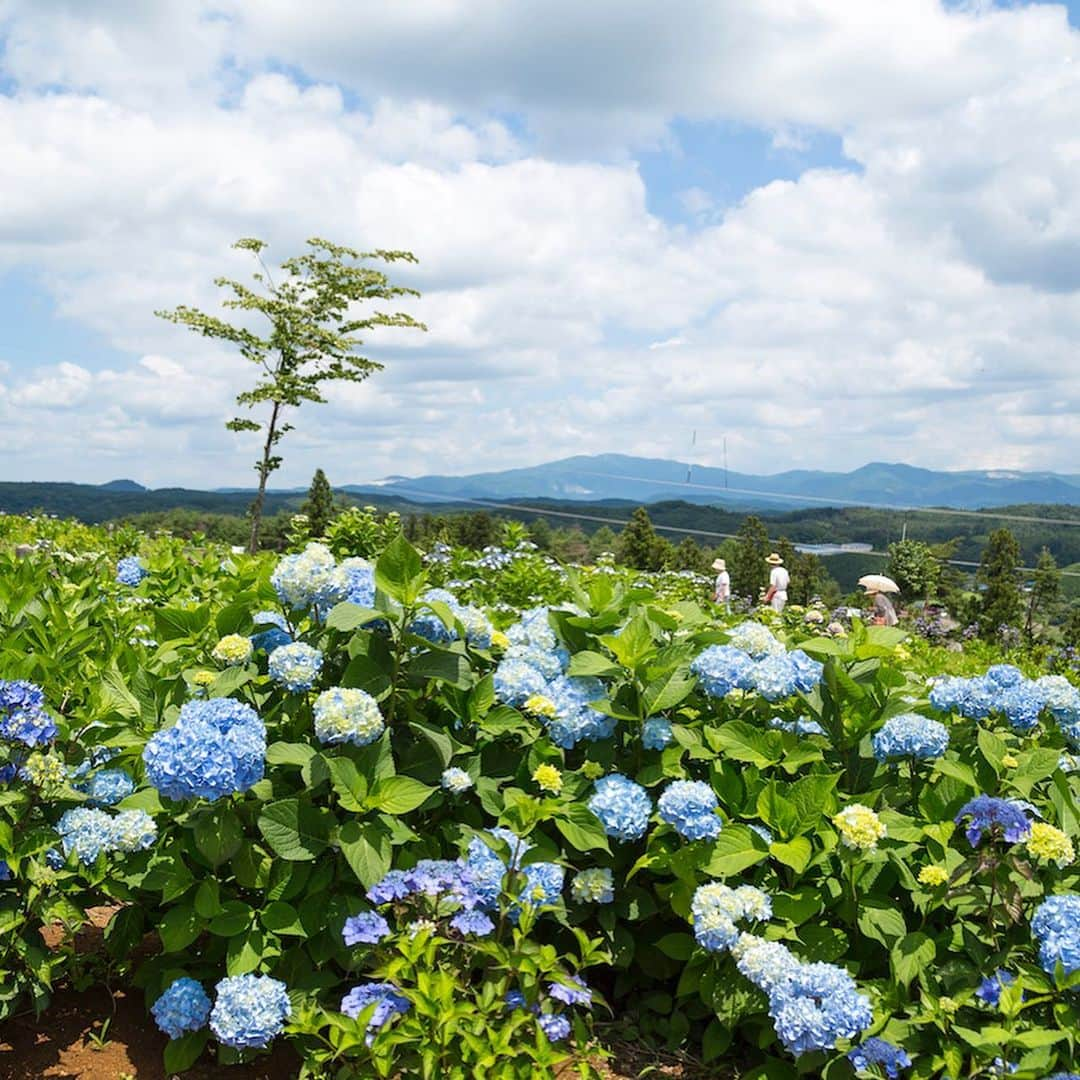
(722, 589)
(884, 614)
(779, 580)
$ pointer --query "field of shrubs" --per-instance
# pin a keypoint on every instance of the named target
(450, 814)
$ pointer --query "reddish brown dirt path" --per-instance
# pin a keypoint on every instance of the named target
(58, 1045)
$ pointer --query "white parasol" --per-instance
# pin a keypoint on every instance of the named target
(878, 583)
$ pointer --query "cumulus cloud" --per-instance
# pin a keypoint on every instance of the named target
(918, 305)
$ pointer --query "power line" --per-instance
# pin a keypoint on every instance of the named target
(831, 501)
(544, 512)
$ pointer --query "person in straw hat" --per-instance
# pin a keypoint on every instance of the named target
(884, 614)
(779, 580)
(722, 589)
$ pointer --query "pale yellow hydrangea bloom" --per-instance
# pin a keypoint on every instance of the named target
(548, 778)
(860, 827)
(1046, 842)
(592, 770)
(1009, 761)
(539, 705)
(933, 875)
(44, 769)
(203, 678)
(499, 640)
(232, 649)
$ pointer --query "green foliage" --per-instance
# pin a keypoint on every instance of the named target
(913, 566)
(638, 545)
(263, 881)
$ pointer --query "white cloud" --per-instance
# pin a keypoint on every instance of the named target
(922, 308)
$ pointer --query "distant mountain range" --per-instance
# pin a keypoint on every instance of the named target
(597, 479)
(646, 480)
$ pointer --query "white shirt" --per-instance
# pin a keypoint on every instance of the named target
(779, 579)
(723, 585)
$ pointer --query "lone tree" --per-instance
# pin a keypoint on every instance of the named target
(747, 566)
(914, 567)
(638, 545)
(1045, 589)
(311, 338)
(319, 506)
(997, 571)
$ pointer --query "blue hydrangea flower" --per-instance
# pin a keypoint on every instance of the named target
(347, 714)
(875, 1051)
(130, 570)
(367, 928)
(184, 1007)
(1005, 674)
(295, 666)
(5, 871)
(217, 747)
(22, 714)
(690, 806)
(430, 626)
(574, 721)
(360, 577)
(622, 806)
(1056, 927)
(656, 733)
(387, 1000)
(989, 814)
(554, 1025)
(777, 677)
(472, 923)
(267, 619)
(249, 1011)
(817, 1006)
(456, 780)
(723, 668)
(767, 964)
(270, 640)
(108, 787)
(86, 831)
(133, 830)
(910, 736)
(543, 884)
(547, 661)
(392, 886)
(571, 992)
(990, 988)
(516, 682)
(310, 579)
(716, 908)
(1022, 705)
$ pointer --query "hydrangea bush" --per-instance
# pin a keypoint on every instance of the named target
(422, 829)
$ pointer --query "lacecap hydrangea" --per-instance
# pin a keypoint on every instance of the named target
(249, 1011)
(347, 715)
(183, 1008)
(295, 666)
(910, 736)
(217, 747)
(986, 814)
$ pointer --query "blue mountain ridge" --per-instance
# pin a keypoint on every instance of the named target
(589, 478)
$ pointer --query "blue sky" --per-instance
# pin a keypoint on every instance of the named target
(825, 236)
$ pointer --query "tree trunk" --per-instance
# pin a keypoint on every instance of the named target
(264, 475)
